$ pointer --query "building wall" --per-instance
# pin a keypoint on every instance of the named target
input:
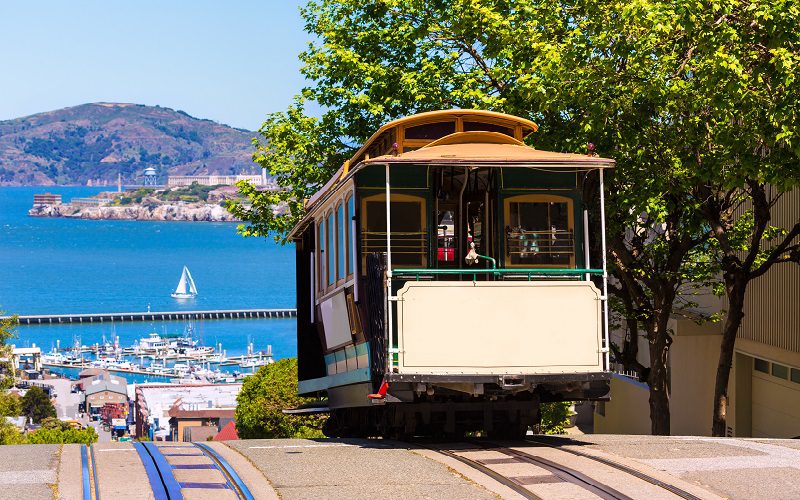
(628, 412)
(772, 305)
(693, 370)
(100, 398)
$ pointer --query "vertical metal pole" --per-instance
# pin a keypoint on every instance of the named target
(313, 274)
(607, 346)
(390, 314)
(587, 263)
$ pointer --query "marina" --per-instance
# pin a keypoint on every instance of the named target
(181, 358)
(155, 316)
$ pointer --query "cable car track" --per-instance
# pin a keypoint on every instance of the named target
(559, 472)
(161, 472)
(624, 468)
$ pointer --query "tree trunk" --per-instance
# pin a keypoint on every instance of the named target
(657, 380)
(735, 288)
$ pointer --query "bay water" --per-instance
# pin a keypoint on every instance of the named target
(61, 265)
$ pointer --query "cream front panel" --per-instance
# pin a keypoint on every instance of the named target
(500, 327)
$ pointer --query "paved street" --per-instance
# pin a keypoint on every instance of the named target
(327, 468)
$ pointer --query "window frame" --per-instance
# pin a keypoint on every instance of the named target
(330, 237)
(321, 256)
(341, 242)
(401, 198)
(350, 205)
(539, 198)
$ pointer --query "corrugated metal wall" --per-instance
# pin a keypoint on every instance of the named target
(772, 306)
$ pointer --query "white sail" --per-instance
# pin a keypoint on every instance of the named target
(192, 287)
(186, 288)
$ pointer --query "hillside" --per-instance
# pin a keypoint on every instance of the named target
(95, 142)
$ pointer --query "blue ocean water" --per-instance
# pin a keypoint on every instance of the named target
(59, 265)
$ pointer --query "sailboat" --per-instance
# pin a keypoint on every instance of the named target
(186, 288)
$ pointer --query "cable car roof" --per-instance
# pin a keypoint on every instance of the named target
(490, 149)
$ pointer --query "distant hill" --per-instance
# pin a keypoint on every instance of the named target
(95, 142)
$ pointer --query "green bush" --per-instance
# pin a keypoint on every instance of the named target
(62, 436)
(263, 397)
(555, 417)
(9, 434)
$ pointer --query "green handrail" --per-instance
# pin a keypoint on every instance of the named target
(521, 270)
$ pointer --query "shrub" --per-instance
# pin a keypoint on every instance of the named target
(555, 417)
(263, 397)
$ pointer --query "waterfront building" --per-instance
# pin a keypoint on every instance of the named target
(103, 389)
(190, 404)
(46, 199)
(90, 202)
(222, 180)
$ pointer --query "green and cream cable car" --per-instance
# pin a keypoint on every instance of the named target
(444, 282)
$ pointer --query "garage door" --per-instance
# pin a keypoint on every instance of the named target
(776, 400)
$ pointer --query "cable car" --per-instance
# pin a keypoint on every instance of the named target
(445, 283)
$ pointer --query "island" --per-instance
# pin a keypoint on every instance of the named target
(183, 203)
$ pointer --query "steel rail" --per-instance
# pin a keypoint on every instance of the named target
(569, 474)
(624, 468)
(85, 476)
(236, 482)
(94, 471)
(505, 481)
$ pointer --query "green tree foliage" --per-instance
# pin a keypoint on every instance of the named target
(697, 102)
(37, 406)
(7, 332)
(10, 405)
(263, 397)
(9, 434)
(61, 435)
(555, 417)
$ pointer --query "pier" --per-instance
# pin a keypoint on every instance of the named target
(46, 319)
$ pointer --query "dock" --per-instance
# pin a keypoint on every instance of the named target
(121, 317)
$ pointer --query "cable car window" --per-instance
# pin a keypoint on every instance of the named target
(349, 215)
(430, 130)
(331, 246)
(341, 238)
(539, 231)
(321, 255)
(408, 233)
(487, 127)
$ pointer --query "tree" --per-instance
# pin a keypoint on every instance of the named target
(7, 332)
(263, 397)
(36, 405)
(654, 85)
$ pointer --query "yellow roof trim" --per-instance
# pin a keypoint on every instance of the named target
(470, 137)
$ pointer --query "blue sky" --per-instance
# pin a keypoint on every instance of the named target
(232, 62)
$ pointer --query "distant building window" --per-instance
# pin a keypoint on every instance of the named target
(780, 371)
(795, 375)
(761, 365)
(600, 408)
(431, 131)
